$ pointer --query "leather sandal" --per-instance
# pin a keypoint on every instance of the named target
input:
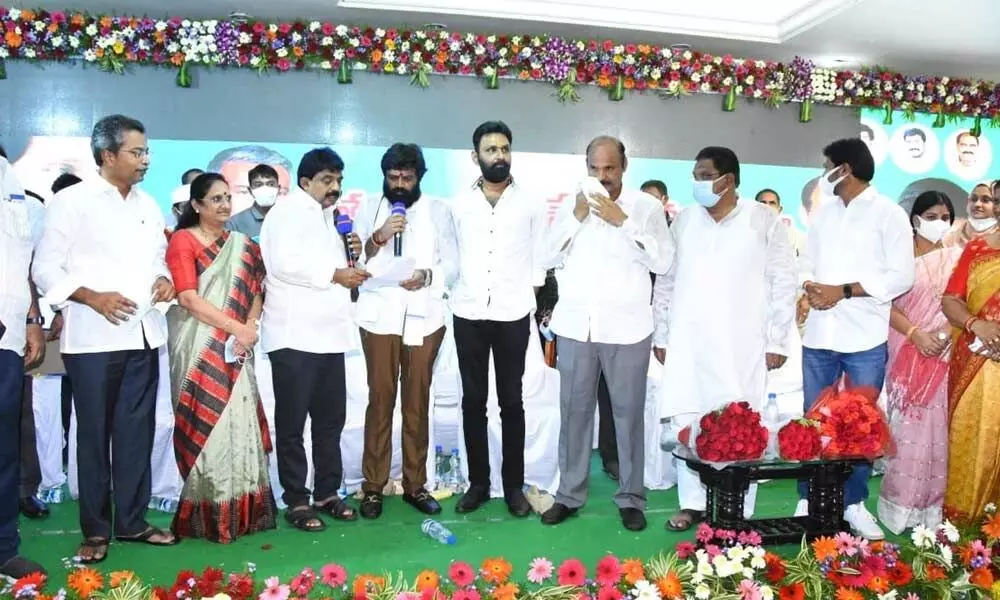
(684, 519)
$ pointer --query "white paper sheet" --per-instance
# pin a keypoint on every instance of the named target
(389, 273)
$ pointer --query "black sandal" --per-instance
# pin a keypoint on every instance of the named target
(338, 509)
(685, 519)
(99, 550)
(146, 537)
(304, 518)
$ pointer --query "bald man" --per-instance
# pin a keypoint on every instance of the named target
(606, 244)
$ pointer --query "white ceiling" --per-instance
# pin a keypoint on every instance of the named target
(957, 38)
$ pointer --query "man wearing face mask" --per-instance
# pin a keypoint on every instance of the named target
(606, 243)
(721, 334)
(402, 326)
(858, 259)
(306, 329)
(264, 189)
(981, 221)
(499, 233)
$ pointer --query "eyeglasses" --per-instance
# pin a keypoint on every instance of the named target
(139, 152)
(705, 176)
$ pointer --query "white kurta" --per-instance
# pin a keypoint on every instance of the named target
(727, 300)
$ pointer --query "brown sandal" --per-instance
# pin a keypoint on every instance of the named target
(98, 548)
(338, 509)
(146, 537)
(684, 519)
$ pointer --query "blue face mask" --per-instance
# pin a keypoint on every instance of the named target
(704, 195)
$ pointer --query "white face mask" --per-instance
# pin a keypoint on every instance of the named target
(704, 195)
(265, 196)
(981, 225)
(826, 187)
(932, 231)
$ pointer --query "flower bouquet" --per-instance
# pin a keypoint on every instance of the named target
(799, 440)
(732, 433)
(851, 424)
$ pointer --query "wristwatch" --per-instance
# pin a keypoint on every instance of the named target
(35, 321)
(848, 292)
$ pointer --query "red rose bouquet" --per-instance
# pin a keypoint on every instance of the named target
(800, 440)
(851, 424)
(732, 433)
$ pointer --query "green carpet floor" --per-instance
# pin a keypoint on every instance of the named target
(395, 543)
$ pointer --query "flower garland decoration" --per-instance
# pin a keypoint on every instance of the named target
(949, 561)
(115, 42)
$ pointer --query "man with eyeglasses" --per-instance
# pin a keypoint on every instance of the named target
(264, 189)
(101, 258)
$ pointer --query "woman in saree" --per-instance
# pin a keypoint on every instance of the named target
(912, 491)
(221, 436)
(972, 304)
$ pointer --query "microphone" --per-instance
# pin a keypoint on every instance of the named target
(344, 228)
(398, 208)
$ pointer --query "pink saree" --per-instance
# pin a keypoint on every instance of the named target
(912, 490)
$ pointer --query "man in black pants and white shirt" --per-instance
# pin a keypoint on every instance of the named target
(499, 228)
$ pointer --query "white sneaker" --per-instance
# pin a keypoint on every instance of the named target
(862, 522)
(802, 508)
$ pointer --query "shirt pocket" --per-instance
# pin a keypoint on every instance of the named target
(14, 220)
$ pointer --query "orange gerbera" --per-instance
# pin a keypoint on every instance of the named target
(633, 571)
(824, 548)
(935, 572)
(507, 591)
(848, 594)
(427, 580)
(120, 577)
(496, 570)
(365, 584)
(670, 586)
(27, 15)
(85, 582)
(106, 21)
(992, 527)
(981, 578)
(877, 584)
(12, 39)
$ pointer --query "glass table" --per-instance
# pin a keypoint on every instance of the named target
(727, 486)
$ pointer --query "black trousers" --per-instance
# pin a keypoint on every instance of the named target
(313, 385)
(508, 341)
(114, 396)
(67, 415)
(31, 472)
(11, 380)
(607, 443)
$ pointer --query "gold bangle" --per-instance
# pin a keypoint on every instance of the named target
(909, 334)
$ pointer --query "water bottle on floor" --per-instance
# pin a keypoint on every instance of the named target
(437, 531)
(457, 479)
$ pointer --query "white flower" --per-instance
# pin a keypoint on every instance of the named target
(706, 87)
(749, 80)
(748, 574)
(74, 42)
(757, 93)
(39, 25)
(946, 554)
(14, 14)
(480, 50)
(465, 59)
(245, 37)
(695, 77)
(314, 25)
(502, 63)
(220, 597)
(488, 70)
(29, 53)
(737, 553)
(354, 42)
(492, 39)
(656, 73)
(892, 595)
(645, 590)
(950, 531)
(57, 41)
(185, 23)
(326, 65)
(255, 61)
(945, 80)
(766, 592)
(990, 508)
(296, 37)
(326, 41)
(526, 52)
(89, 55)
(173, 47)
(702, 591)
(758, 562)
(430, 45)
(401, 69)
(687, 55)
(341, 30)
(760, 64)
(516, 40)
(91, 30)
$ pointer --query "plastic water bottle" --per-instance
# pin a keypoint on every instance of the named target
(455, 468)
(771, 419)
(342, 492)
(437, 531)
(439, 482)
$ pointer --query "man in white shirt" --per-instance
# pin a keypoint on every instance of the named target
(499, 228)
(606, 246)
(770, 198)
(724, 310)
(402, 325)
(21, 343)
(858, 258)
(102, 259)
(306, 328)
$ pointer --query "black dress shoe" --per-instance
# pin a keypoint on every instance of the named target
(611, 470)
(472, 499)
(423, 502)
(33, 508)
(517, 504)
(632, 518)
(557, 514)
(371, 505)
(19, 567)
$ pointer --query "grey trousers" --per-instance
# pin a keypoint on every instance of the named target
(624, 367)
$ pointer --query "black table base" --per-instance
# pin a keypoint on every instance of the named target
(727, 487)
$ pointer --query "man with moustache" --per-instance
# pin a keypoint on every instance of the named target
(305, 330)
(499, 231)
(402, 326)
(264, 189)
(101, 258)
(967, 146)
(606, 245)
